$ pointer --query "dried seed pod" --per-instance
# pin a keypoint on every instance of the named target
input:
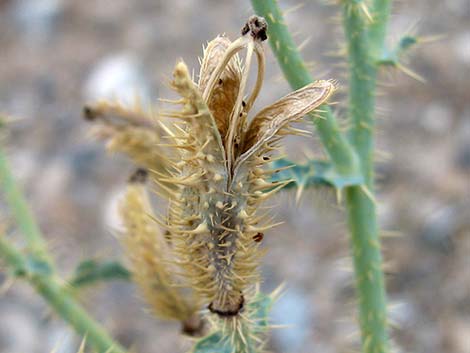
(220, 181)
(150, 255)
(211, 169)
(129, 130)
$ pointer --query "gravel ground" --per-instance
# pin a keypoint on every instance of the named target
(58, 54)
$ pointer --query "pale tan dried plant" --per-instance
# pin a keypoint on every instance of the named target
(209, 159)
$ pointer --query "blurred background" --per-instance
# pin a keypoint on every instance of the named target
(55, 55)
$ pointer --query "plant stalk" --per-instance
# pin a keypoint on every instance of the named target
(362, 215)
(297, 74)
(46, 284)
(21, 212)
(61, 300)
(378, 28)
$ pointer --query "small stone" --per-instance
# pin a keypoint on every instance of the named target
(439, 228)
(402, 313)
(117, 77)
(18, 329)
(437, 118)
(293, 310)
(461, 46)
(37, 19)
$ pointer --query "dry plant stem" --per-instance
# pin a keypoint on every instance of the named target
(297, 74)
(361, 209)
(47, 285)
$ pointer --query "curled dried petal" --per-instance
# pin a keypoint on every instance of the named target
(270, 120)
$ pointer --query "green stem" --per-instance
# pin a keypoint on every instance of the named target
(362, 216)
(12, 257)
(21, 212)
(378, 28)
(361, 208)
(369, 279)
(58, 298)
(362, 84)
(45, 282)
(296, 73)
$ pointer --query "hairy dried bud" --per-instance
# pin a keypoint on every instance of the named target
(211, 169)
(213, 213)
(150, 255)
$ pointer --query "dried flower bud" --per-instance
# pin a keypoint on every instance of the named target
(213, 214)
(150, 255)
(211, 169)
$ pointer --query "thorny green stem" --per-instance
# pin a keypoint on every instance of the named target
(47, 285)
(363, 45)
(58, 297)
(378, 28)
(362, 82)
(21, 212)
(296, 73)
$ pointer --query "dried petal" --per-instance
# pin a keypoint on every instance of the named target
(269, 121)
(129, 130)
(225, 92)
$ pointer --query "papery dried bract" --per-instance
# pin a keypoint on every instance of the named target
(129, 130)
(225, 92)
(291, 108)
(150, 256)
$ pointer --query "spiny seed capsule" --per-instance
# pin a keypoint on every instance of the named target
(214, 125)
(208, 162)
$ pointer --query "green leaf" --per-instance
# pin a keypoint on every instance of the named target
(391, 57)
(33, 266)
(213, 343)
(92, 271)
(406, 42)
(312, 173)
(37, 266)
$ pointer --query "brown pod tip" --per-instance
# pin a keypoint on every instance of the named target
(88, 113)
(233, 311)
(193, 326)
(257, 27)
(139, 176)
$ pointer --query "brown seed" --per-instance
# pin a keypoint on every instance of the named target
(257, 28)
(258, 237)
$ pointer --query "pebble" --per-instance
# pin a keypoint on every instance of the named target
(461, 46)
(60, 339)
(36, 19)
(120, 77)
(294, 310)
(437, 118)
(462, 142)
(439, 228)
(18, 331)
(401, 313)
